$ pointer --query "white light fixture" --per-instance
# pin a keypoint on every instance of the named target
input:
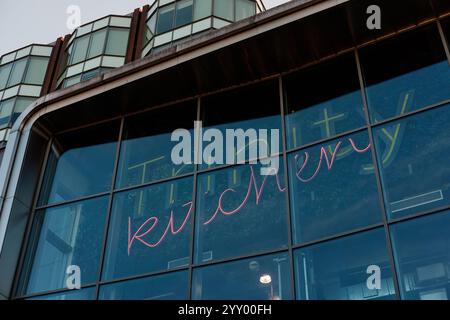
(265, 279)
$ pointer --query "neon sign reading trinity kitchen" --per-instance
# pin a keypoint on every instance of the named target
(148, 227)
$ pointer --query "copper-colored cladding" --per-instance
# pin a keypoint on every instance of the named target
(140, 31)
(134, 29)
(51, 69)
(60, 61)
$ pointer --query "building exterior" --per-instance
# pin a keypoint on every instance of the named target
(359, 208)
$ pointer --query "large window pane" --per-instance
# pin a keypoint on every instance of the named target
(150, 229)
(184, 12)
(165, 18)
(224, 9)
(250, 109)
(82, 294)
(80, 47)
(36, 71)
(202, 9)
(17, 72)
(421, 249)
(405, 73)
(97, 43)
(117, 42)
(333, 188)
(169, 286)
(414, 154)
(345, 269)
(80, 164)
(240, 211)
(63, 236)
(323, 101)
(147, 146)
(261, 278)
(244, 9)
(4, 75)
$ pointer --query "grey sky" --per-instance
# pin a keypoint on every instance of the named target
(43, 21)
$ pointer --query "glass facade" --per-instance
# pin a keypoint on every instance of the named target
(357, 210)
(94, 48)
(172, 20)
(22, 74)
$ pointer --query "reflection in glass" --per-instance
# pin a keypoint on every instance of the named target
(6, 109)
(147, 146)
(250, 109)
(405, 73)
(80, 47)
(150, 229)
(421, 249)
(413, 154)
(224, 9)
(333, 188)
(165, 18)
(237, 208)
(261, 278)
(21, 104)
(5, 70)
(80, 163)
(244, 9)
(202, 9)
(82, 294)
(63, 236)
(321, 103)
(97, 43)
(184, 12)
(17, 72)
(341, 269)
(117, 42)
(169, 286)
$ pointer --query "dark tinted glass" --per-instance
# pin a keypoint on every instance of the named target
(165, 18)
(405, 73)
(413, 154)
(421, 249)
(261, 278)
(323, 101)
(150, 229)
(170, 286)
(80, 163)
(345, 269)
(184, 12)
(333, 188)
(237, 208)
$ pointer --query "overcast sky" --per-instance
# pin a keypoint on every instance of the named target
(43, 21)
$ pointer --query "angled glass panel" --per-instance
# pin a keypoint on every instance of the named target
(202, 9)
(5, 71)
(237, 208)
(259, 278)
(36, 70)
(63, 236)
(413, 155)
(323, 101)
(81, 294)
(333, 188)
(184, 12)
(117, 42)
(80, 48)
(352, 268)
(6, 109)
(245, 9)
(80, 164)
(169, 286)
(17, 72)
(165, 18)
(21, 104)
(97, 43)
(422, 257)
(150, 229)
(405, 73)
(224, 9)
(146, 152)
